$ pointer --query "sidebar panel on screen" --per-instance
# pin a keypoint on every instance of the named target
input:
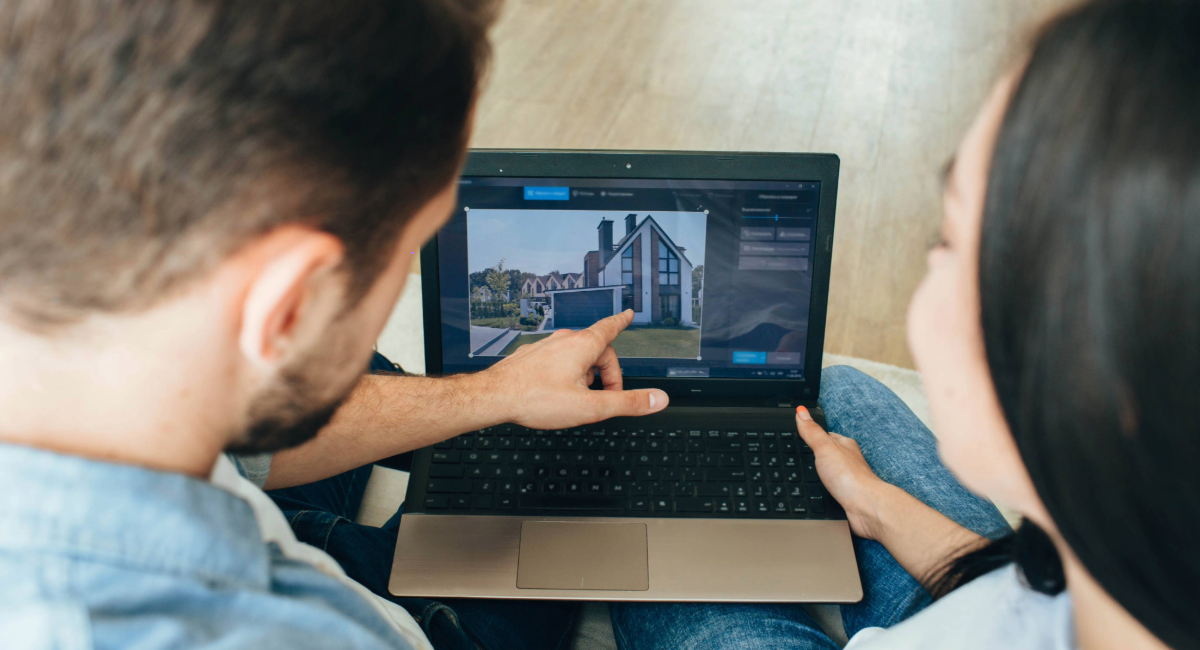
(761, 281)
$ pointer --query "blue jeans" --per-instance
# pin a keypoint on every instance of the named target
(903, 452)
(322, 514)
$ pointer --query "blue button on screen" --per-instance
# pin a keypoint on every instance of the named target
(547, 193)
(749, 357)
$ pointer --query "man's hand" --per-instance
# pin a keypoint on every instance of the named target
(543, 385)
(546, 383)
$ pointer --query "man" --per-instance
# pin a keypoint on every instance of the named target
(207, 212)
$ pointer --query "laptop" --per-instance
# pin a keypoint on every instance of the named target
(724, 259)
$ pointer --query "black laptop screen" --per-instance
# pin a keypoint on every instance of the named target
(718, 273)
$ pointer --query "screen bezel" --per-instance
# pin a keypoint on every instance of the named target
(713, 166)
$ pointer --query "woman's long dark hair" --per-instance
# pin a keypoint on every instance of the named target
(1090, 285)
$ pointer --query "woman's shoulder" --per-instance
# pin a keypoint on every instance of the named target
(993, 612)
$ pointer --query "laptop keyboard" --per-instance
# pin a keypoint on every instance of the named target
(628, 472)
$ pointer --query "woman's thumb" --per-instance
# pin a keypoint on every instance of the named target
(810, 431)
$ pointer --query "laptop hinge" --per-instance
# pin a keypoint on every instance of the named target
(786, 404)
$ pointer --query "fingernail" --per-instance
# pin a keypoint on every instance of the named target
(652, 400)
(803, 413)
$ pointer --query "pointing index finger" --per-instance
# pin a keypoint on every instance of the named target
(608, 328)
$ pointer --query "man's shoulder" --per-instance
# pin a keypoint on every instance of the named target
(45, 624)
(115, 608)
(71, 626)
(98, 554)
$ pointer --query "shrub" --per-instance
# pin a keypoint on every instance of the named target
(670, 322)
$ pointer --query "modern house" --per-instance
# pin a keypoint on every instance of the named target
(645, 271)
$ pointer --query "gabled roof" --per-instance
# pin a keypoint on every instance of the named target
(561, 277)
(618, 248)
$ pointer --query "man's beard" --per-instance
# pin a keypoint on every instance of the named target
(295, 409)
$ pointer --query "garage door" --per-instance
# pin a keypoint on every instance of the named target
(579, 309)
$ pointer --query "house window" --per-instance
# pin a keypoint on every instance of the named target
(668, 266)
(669, 306)
(627, 278)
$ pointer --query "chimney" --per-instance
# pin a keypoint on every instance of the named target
(630, 224)
(605, 229)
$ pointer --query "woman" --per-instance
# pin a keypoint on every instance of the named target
(1058, 335)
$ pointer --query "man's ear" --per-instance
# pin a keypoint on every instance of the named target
(293, 285)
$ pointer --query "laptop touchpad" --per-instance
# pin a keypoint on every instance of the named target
(581, 555)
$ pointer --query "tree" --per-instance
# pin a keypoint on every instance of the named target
(478, 279)
(697, 280)
(498, 281)
(515, 280)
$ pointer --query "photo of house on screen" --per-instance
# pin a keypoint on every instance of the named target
(534, 272)
(644, 271)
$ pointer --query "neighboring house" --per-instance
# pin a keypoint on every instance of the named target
(645, 271)
(537, 286)
(533, 287)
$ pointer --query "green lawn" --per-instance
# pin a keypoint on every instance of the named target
(491, 322)
(678, 342)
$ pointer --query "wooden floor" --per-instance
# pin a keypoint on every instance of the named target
(888, 85)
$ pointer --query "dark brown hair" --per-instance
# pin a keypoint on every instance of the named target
(1089, 271)
(144, 141)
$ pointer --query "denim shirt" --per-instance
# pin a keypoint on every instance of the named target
(101, 555)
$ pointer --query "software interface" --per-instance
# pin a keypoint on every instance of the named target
(718, 273)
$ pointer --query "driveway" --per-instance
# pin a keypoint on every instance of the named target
(481, 336)
(494, 348)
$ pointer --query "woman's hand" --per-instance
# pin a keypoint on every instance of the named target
(921, 539)
(846, 475)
